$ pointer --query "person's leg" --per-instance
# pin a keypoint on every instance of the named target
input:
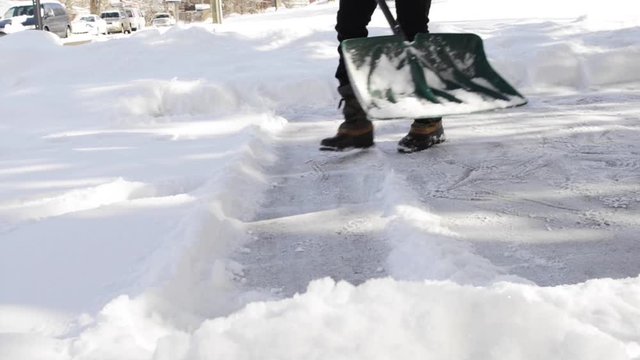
(356, 130)
(352, 20)
(413, 17)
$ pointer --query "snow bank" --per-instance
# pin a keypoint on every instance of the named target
(382, 319)
(385, 319)
(117, 185)
(175, 78)
(577, 59)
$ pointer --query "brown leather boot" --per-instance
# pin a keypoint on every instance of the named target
(356, 131)
(423, 135)
(358, 134)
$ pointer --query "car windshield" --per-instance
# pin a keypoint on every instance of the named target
(110, 15)
(87, 18)
(162, 16)
(19, 11)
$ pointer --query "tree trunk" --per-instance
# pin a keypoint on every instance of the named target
(94, 7)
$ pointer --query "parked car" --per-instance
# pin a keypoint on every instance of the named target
(117, 21)
(89, 24)
(21, 17)
(136, 17)
(163, 19)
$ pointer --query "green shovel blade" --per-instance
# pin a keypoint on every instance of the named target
(435, 75)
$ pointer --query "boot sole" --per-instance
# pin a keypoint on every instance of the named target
(342, 142)
(406, 150)
(339, 149)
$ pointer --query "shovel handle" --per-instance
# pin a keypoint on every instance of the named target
(395, 26)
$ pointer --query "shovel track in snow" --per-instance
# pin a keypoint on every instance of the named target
(548, 200)
(543, 200)
(318, 220)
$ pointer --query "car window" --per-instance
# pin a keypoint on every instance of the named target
(162, 16)
(19, 11)
(129, 13)
(48, 11)
(23, 10)
(87, 18)
(58, 9)
(110, 15)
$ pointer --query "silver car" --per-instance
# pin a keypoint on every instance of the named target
(21, 16)
(117, 21)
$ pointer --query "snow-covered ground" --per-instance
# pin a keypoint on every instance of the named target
(162, 197)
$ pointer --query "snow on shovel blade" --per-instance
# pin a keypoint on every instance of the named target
(435, 75)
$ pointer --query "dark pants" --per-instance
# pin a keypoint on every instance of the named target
(354, 16)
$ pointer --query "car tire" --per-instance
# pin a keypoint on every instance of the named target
(67, 32)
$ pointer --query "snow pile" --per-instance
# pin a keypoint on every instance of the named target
(379, 320)
(384, 319)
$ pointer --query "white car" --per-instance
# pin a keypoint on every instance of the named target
(136, 17)
(163, 19)
(89, 24)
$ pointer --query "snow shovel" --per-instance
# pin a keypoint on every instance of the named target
(435, 75)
